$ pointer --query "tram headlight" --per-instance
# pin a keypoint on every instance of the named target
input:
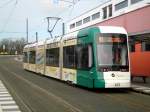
(113, 75)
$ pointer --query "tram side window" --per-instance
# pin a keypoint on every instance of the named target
(132, 48)
(84, 56)
(25, 57)
(52, 57)
(69, 57)
(145, 46)
(32, 57)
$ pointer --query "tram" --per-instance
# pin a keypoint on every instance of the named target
(95, 57)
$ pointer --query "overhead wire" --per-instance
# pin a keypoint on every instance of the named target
(73, 2)
(12, 32)
(11, 13)
(6, 3)
(55, 14)
(70, 6)
(9, 16)
(58, 14)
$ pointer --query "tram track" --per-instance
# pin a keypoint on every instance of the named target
(129, 102)
(48, 91)
(67, 105)
(19, 99)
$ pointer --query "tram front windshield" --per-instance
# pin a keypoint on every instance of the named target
(112, 52)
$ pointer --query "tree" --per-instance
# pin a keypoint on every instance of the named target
(11, 46)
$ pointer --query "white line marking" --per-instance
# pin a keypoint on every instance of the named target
(10, 107)
(12, 111)
(4, 92)
(9, 110)
(5, 95)
(11, 104)
(58, 99)
(7, 104)
(7, 98)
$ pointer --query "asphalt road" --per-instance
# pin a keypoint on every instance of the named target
(35, 93)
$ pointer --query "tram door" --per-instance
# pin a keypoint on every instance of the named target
(84, 65)
(40, 59)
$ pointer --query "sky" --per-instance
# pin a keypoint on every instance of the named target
(14, 13)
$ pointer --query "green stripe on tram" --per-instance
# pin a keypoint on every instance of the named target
(89, 77)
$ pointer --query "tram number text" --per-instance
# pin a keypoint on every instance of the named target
(117, 84)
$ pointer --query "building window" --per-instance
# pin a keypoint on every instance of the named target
(84, 56)
(69, 57)
(96, 15)
(32, 57)
(72, 26)
(85, 20)
(52, 57)
(145, 46)
(104, 12)
(132, 48)
(110, 10)
(121, 5)
(79, 23)
(135, 1)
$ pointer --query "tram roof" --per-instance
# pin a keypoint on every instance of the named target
(53, 40)
(70, 35)
(40, 43)
(112, 29)
(30, 45)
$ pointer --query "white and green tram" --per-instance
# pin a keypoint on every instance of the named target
(95, 57)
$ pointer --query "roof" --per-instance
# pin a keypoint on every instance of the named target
(70, 36)
(53, 40)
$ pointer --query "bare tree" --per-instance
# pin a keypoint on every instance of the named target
(12, 46)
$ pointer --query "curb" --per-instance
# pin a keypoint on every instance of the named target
(141, 89)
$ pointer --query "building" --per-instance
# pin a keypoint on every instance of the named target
(134, 16)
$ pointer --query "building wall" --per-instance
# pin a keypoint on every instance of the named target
(140, 63)
(135, 19)
(135, 22)
(107, 14)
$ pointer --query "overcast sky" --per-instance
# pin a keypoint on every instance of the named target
(13, 14)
